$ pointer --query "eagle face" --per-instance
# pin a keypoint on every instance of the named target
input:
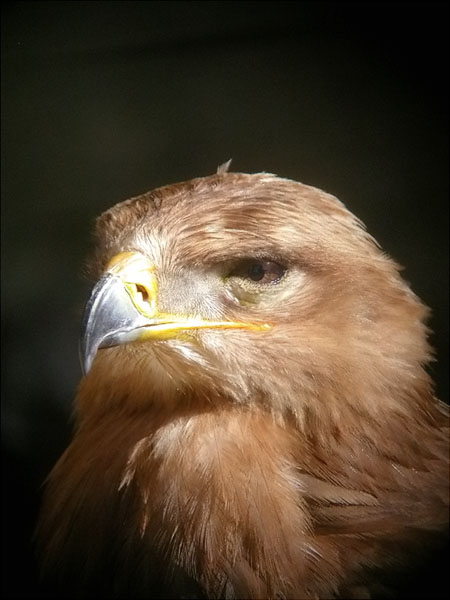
(254, 419)
(202, 278)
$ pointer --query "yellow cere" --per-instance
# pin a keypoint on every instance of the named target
(138, 276)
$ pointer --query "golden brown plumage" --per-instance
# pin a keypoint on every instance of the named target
(292, 448)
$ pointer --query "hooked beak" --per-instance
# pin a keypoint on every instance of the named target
(122, 309)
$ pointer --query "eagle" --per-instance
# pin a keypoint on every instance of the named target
(255, 419)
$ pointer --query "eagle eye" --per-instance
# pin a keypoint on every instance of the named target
(260, 271)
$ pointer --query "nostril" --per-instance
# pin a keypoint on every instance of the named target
(140, 289)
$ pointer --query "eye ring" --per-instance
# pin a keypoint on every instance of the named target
(258, 271)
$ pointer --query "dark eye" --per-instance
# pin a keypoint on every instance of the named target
(259, 271)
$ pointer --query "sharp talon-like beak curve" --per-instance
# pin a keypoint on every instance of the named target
(122, 309)
(110, 319)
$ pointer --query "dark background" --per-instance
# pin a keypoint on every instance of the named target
(105, 100)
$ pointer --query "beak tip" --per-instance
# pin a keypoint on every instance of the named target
(85, 360)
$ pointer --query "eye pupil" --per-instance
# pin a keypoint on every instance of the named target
(256, 271)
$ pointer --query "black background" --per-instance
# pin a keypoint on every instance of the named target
(105, 100)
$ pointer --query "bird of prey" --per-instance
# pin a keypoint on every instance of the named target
(255, 418)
